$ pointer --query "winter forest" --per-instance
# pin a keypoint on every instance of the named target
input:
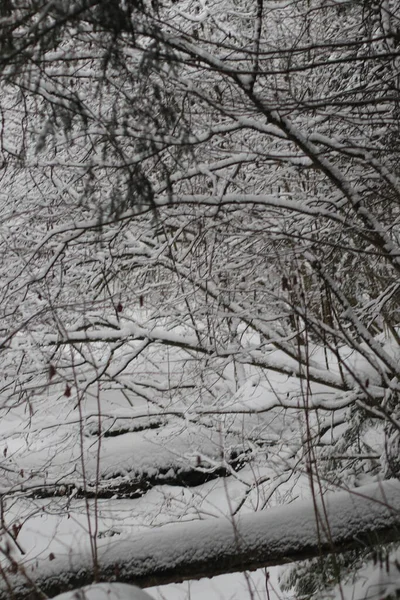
(200, 299)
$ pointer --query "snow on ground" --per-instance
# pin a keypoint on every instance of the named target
(258, 585)
(106, 591)
(231, 587)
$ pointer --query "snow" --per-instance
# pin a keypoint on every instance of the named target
(209, 547)
(50, 452)
(235, 586)
(285, 408)
(106, 591)
(377, 578)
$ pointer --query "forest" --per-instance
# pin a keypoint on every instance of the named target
(200, 299)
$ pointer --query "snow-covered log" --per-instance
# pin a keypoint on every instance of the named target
(345, 520)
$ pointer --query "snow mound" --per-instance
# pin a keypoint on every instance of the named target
(106, 591)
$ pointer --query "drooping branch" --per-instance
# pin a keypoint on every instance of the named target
(346, 520)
